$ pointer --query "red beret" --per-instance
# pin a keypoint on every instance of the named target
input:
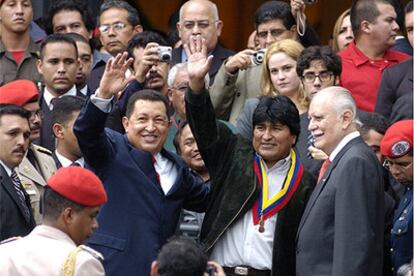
(78, 185)
(18, 92)
(398, 140)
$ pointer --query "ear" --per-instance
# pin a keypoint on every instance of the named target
(347, 118)
(179, 29)
(58, 130)
(293, 31)
(170, 94)
(67, 215)
(336, 81)
(138, 29)
(39, 65)
(219, 27)
(125, 123)
(365, 26)
(154, 268)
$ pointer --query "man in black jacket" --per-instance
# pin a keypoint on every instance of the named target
(259, 188)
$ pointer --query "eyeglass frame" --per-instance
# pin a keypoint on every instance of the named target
(387, 165)
(273, 33)
(318, 75)
(112, 26)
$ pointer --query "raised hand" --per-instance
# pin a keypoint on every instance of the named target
(149, 57)
(113, 79)
(239, 61)
(198, 63)
(297, 6)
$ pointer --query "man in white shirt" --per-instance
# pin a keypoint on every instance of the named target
(342, 228)
(64, 114)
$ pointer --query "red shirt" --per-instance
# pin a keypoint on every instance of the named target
(362, 76)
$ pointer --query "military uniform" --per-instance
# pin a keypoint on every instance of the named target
(34, 178)
(48, 251)
(402, 232)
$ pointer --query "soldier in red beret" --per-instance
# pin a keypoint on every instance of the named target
(397, 148)
(70, 204)
(38, 164)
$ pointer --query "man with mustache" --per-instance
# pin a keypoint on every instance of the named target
(58, 65)
(18, 52)
(38, 165)
(16, 217)
(71, 202)
(363, 61)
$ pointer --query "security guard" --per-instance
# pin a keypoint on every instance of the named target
(70, 203)
(38, 164)
(397, 148)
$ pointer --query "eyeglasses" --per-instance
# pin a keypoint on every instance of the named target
(323, 76)
(202, 24)
(273, 33)
(38, 113)
(116, 27)
(402, 166)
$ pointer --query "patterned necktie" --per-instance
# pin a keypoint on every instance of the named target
(53, 102)
(19, 190)
(324, 167)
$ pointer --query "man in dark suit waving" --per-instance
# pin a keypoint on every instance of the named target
(342, 228)
(16, 217)
(146, 185)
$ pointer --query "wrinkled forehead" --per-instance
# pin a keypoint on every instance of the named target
(197, 11)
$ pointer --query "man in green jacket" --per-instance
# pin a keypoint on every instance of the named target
(259, 188)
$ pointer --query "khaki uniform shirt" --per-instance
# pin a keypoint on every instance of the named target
(34, 178)
(44, 252)
(10, 71)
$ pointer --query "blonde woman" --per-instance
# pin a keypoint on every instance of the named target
(342, 33)
(279, 75)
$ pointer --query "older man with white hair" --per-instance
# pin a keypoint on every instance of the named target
(345, 212)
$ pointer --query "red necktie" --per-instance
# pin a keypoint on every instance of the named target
(325, 166)
(156, 173)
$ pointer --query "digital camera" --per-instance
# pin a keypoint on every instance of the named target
(165, 53)
(258, 57)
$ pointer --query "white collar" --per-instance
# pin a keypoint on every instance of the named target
(8, 170)
(84, 90)
(279, 165)
(65, 162)
(48, 96)
(343, 143)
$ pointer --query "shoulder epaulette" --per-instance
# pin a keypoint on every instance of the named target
(10, 239)
(93, 252)
(42, 149)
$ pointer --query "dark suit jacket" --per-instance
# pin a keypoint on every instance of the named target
(12, 219)
(396, 81)
(402, 45)
(220, 54)
(138, 218)
(342, 228)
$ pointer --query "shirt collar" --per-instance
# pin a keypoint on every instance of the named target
(33, 48)
(66, 162)
(359, 58)
(8, 170)
(279, 165)
(48, 96)
(342, 144)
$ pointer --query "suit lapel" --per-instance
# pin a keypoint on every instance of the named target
(323, 182)
(9, 187)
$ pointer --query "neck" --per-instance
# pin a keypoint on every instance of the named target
(56, 93)
(203, 174)
(67, 154)
(371, 50)
(15, 41)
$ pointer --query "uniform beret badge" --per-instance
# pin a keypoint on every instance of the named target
(400, 148)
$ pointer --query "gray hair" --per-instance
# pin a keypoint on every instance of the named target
(213, 7)
(179, 67)
(133, 17)
(341, 100)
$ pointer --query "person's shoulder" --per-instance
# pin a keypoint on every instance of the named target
(89, 252)
(41, 150)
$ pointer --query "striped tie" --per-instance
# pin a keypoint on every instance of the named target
(19, 190)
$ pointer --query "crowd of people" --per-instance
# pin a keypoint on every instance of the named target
(126, 151)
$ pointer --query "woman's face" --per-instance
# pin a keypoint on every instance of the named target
(283, 75)
(345, 35)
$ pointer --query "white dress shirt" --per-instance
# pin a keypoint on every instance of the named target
(343, 143)
(242, 243)
(65, 162)
(48, 96)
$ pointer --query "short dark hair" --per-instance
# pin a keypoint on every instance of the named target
(133, 16)
(11, 109)
(279, 109)
(65, 106)
(181, 257)
(78, 38)
(142, 39)
(364, 10)
(374, 121)
(146, 95)
(55, 38)
(70, 5)
(273, 10)
(409, 7)
(177, 136)
(53, 204)
(323, 53)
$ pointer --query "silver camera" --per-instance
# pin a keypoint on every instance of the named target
(165, 53)
(308, 2)
(258, 57)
